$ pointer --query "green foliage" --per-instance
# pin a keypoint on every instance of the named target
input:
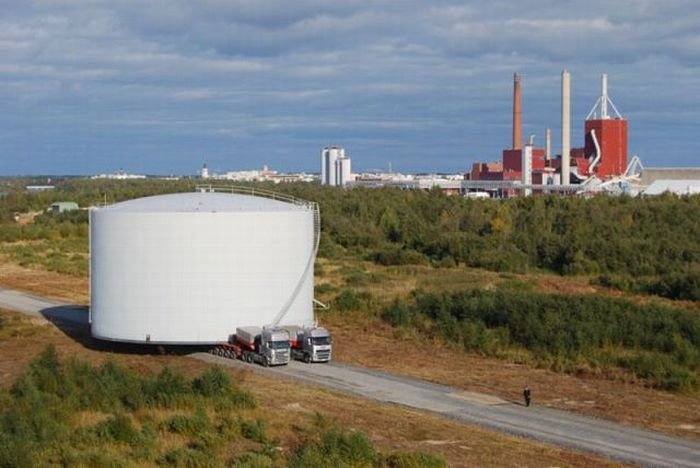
(118, 428)
(188, 457)
(253, 460)
(336, 448)
(413, 460)
(37, 414)
(187, 424)
(676, 285)
(561, 330)
(350, 299)
(254, 430)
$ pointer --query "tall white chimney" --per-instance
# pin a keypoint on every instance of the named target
(604, 97)
(565, 126)
(548, 144)
(526, 168)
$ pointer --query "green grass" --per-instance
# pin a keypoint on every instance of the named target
(66, 256)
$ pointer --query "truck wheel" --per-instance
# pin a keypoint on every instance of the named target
(249, 358)
(265, 362)
(307, 358)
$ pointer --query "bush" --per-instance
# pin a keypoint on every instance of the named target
(254, 430)
(349, 300)
(188, 425)
(413, 460)
(118, 428)
(168, 389)
(336, 448)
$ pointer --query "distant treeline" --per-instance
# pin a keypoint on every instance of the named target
(641, 244)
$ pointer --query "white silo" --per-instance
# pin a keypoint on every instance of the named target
(342, 171)
(191, 267)
(329, 158)
(526, 168)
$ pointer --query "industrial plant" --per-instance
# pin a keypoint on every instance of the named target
(600, 165)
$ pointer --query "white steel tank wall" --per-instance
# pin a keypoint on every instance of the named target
(194, 277)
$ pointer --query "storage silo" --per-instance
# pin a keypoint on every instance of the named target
(189, 268)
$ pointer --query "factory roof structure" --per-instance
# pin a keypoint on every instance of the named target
(677, 187)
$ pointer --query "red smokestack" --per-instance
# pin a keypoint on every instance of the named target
(517, 114)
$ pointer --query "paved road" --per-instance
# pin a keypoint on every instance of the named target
(557, 427)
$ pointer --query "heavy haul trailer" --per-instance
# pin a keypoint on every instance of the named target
(276, 346)
(266, 346)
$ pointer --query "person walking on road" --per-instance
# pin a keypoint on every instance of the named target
(526, 395)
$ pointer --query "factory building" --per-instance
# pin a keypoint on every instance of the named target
(606, 137)
(603, 156)
(336, 168)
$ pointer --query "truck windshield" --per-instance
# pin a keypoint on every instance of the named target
(278, 344)
(321, 340)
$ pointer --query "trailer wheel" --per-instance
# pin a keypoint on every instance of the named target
(227, 354)
(307, 358)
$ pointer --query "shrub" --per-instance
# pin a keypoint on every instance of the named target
(189, 425)
(253, 430)
(413, 460)
(187, 457)
(252, 460)
(336, 448)
(213, 382)
(168, 389)
(118, 428)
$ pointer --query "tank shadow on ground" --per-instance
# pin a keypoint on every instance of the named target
(72, 320)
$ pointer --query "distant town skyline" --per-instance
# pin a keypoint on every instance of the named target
(162, 87)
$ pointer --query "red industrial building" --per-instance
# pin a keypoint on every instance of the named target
(603, 155)
(612, 139)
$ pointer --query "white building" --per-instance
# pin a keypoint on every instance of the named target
(205, 172)
(336, 168)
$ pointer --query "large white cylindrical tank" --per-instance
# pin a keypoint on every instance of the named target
(190, 268)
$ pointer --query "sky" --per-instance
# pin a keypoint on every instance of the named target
(163, 86)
